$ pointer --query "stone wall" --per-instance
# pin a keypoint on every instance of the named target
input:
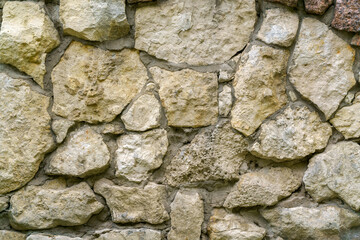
(179, 120)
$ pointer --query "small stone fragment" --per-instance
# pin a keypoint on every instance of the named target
(83, 154)
(60, 128)
(294, 134)
(50, 237)
(94, 20)
(355, 41)
(11, 235)
(259, 87)
(321, 66)
(131, 234)
(143, 115)
(225, 101)
(53, 204)
(187, 215)
(4, 203)
(279, 27)
(94, 85)
(317, 6)
(113, 128)
(229, 226)
(189, 97)
(134, 204)
(289, 3)
(226, 76)
(138, 154)
(347, 15)
(27, 35)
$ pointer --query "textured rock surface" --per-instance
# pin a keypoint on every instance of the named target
(290, 3)
(10, 235)
(138, 154)
(94, 85)
(259, 87)
(131, 234)
(50, 237)
(60, 128)
(229, 226)
(134, 204)
(25, 134)
(189, 97)
(214, 154)
(138, 1)
(187, 215)
(347, 15)
(294, 134)
(144, 114)
(198, 33)
(317, 6)
(4, 203)
(225, 101)
(311, 223)
(321, 66)
(355, 41)
(279, 27)
(26, 35)
(83, 154)
(52, 205)
(94, 20)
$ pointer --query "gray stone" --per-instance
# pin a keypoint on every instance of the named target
(4, 203)
(11, 235)
(60, 128)
(131, 234)
(50, 237)
(225, 101)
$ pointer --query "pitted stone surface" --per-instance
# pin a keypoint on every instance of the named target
(131, 234)
(11, 235)
(289, 3)
(317, 6)
(347, 15)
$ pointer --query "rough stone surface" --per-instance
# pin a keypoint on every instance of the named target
(4, 203)
(189, 97)
(134, 204)
(144, 114)
(60, 128)
(355, 41)
(27, 35)
(138, 1)
(53, 204)
(324, 222)
(259, 87)
(321, 66)
(25, 134)
(11, 235)
(229, 226)
(94, 20)
(187, 215)
(198, 33)
(279, 27)
(94, 85)
(347, 15)
(225, 101)
(289, 3)
(50, 237)
(138, 154)
(131, 234)
(216, 153)
(83, 154)
(317, 6)
(265, 188)
(294, 134)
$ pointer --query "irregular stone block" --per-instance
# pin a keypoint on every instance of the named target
(138, 1)
(60, 128)
(289, 3)
(4, 203)
(50, 237)
(225, 101)
(317, 6)
(11, 235)
(199, 32)
(355, 41)
(131, 234)
(347, 15)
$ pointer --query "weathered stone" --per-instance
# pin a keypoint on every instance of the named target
(138, 1)
(138, 154)
(50, 237)
(189, 97)
(226, 76)
(317, 6)
(225, 101)
(94, 85)
(198, 33)
(144, 114)
(187, 215)
(4, 203)
(265, 187)
(94, 20)
(27, 35)
(131, 234)
(355, 41)
(321, 66)
(321, 223)
(216, 153)
(347, 15)
(294, 134)
(112, 128)
(290, 3)
(11, 235)
(259, 87)
(134, 204)
(60, 128)
(279, 27)
(25, 134)
(53, 204)
(83, 154)
(229, 226)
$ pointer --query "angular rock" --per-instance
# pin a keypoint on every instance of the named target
(50, 237)
(53, 204)
(4, 203)
(131, 234)
(94, 85)
(347, 15)
(60, 128)
(197, 33)
(27, 35)
(355, 41)
(321, 66)
(138, 154)
(11, 235)
(134, 204)
(94, 20)
(216, 153)
(265, 187)
(25, 134)
(187, 215)
(83, 154)
(225, 101)
(289, 3)
(317, 6)
(279, 27)
(138, 1)
(143, 115)
(189, 97)
(294, 134)
(113, 128)
(324, 222)
(229, 226)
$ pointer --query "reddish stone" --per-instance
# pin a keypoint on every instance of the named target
(317, 6)
(290, 3)
(355, 41)
(347, 15)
